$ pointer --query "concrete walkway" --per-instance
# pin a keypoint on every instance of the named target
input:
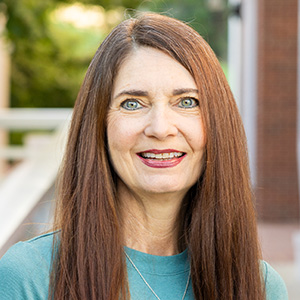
(278, 250)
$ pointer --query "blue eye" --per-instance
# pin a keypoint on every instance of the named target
(131, 104)
(188, 103)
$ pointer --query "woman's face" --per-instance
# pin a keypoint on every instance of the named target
(155, 132)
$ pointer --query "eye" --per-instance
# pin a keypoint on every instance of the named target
(131, 104)
(188, 102)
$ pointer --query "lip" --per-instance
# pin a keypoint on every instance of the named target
(153, 163)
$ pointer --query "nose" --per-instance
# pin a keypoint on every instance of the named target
(161, 123)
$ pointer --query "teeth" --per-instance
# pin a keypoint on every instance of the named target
(161, 155)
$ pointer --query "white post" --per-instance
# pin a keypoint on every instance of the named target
(4, 85)
(235, 55)
(249, 79)
(242, 70)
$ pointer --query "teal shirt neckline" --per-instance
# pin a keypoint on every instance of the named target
(163, 265)
(168, 276)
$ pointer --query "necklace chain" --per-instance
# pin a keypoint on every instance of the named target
(148, 285)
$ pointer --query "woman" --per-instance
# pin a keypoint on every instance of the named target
(154, 195)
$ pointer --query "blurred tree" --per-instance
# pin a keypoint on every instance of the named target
(44, 73)
(49, 59)
(211, 24)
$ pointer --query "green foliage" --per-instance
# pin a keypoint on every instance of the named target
(49, 59)
(111, 4)
(36, 69)
(212, 25)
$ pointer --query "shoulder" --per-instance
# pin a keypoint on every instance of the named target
(274, 284)
(25, 269)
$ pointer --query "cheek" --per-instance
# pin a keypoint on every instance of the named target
(122, 133)
(122, 138)
(194, 132)
(116, 137)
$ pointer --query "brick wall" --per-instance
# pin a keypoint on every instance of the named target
(277, 189)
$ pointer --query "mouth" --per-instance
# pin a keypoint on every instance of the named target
(166, 158)
(161, 156)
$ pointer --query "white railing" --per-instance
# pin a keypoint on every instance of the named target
(29, 186)
(33, 118)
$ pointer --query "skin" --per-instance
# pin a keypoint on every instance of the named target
(154, 105)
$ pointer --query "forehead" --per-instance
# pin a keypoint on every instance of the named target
(149, 69)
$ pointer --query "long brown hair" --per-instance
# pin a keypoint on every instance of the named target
(217, 218)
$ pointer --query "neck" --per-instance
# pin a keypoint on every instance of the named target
(150, 221)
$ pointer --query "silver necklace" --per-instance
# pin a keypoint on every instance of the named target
(148, 285)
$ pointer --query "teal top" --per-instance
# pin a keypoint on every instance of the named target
(166, 275)
(24, 274)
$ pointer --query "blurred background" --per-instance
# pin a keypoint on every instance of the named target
(45, 49)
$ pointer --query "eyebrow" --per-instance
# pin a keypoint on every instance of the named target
(141, 93)
(178, 92)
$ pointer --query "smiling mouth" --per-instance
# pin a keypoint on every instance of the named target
(161, 156)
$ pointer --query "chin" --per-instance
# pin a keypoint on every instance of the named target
(165, 189)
